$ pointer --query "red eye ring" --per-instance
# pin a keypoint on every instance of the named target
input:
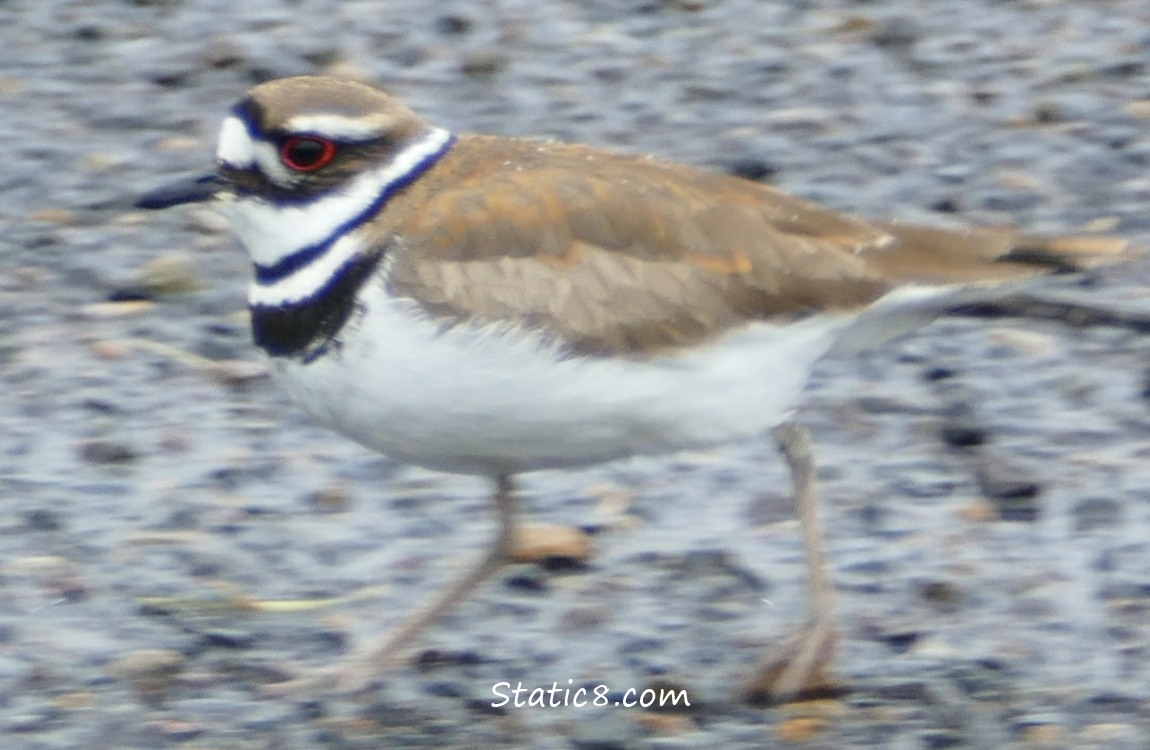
(307, 153)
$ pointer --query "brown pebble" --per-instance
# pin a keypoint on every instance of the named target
(52, 215)
(1139, 109)
(1045, 735)
(1102, 224)
(180, 143)
(117, 309)
(666, 724)
(169, 274)
(110, 349)
(541, 542)
(208, 222)
(1106, 733)
(74, 701)
(1028, 343)
(980, 510)
(801, 728)
(39, 565)
(942, 594)
(10, 85)
(151, 670)
(238, 371)
(332, 499)
(1018, 180)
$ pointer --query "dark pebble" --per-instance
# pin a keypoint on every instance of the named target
(105, 451)
(901, 689)
(101, 406)
(962, 432)
(1013, 201)
(331, 499)
(1096, 513)
(434, 658)
(948, 205)
(900, 641)
(606, 731)
(1002, 480)
(1124, 590)
(446, 689)
(944, 595)
(1017, 509)
(751, 168)
(897, 32)
(131, 294)
(985, 679)
(230, 638)
(452, 24)
(483, 63)
(935, 374)
(1145, 392)
(938, 739)
(526, 578)
(43, 519)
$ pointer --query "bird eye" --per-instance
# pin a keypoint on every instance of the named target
(307, 153)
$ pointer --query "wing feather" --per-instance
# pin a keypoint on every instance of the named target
(615, 254)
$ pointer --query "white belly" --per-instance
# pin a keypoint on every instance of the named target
(490, 400)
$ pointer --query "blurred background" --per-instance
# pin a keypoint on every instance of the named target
(162, 505)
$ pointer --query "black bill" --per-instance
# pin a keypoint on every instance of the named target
(187, 190)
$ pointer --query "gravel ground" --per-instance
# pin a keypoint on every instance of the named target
(984, 481)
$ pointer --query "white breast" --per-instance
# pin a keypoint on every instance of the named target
(491, 400)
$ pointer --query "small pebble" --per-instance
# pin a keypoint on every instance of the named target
(485, 63)
(801, 729)
(962, 432)
(238, 372)
(153, 671)
(1012, 489)
(1094, 513)
(331, 499)
(541, 542)
(43, 519)
(169, 275)
(611, 730)
(945, 595)
(107, 451)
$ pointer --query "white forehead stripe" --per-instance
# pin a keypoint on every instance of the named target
(339, 127)
(235, 146)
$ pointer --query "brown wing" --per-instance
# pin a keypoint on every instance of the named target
(610, 253)
(624, 255)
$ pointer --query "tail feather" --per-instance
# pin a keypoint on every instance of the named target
(938, 269)
(930, 256)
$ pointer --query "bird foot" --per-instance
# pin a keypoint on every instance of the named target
(349, 676)
(798, 670)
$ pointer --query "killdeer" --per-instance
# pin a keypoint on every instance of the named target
(493, 306)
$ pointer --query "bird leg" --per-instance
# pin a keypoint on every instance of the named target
(357, 671)
(799, 667)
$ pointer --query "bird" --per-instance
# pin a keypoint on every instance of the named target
(490, 305)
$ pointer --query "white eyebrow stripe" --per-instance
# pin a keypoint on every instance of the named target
(340, 127)
(236, 147)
